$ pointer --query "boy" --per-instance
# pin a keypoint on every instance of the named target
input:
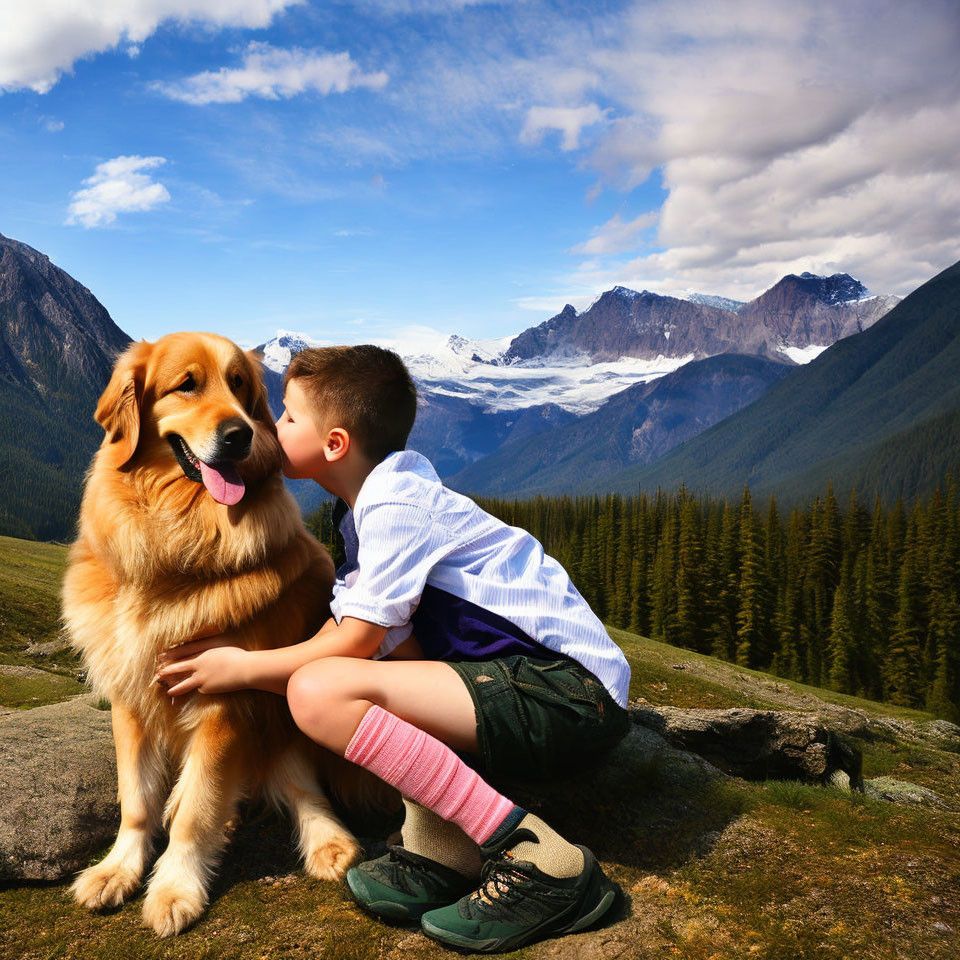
(456, 648)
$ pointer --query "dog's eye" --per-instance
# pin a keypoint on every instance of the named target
(187, 385)
(236, 381)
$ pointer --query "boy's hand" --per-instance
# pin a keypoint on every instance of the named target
(209, 665)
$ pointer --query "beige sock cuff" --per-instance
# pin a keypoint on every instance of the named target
(426, 833)
(553, 854)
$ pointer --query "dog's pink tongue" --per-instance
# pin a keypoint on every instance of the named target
(224, 483)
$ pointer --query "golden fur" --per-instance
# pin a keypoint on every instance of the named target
(157, 562)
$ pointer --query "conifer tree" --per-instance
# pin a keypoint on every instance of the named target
(841, 643)
(639, 570)
(753, 597)
(622, 570)
(663, 594)
(903, 669)
(724, 627)
(689, 574)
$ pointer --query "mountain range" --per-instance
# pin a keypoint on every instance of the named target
(878, 412)
(606, 398)
(637, 425)
(797, 315)
(491, 409)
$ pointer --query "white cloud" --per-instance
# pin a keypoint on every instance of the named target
(42, 39)
(815, 136)
(52, 125)
(615, 236)
(570, 121)
(117, 186)
(272, 73)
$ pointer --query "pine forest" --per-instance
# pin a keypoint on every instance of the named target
(862, 601)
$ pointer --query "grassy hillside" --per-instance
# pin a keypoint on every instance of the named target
(36, 665)
(775, 871)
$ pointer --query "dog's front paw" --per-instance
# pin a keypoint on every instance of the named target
(170, 908)
(104, 885)
(331, 859)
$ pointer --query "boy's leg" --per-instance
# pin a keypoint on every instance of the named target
(400, 719)
(330, 696)
(535, 884)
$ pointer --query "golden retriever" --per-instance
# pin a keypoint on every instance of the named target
(185, 525)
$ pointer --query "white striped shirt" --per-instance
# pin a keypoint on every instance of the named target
(407, 531)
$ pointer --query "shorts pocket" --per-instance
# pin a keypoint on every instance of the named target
(554, 682)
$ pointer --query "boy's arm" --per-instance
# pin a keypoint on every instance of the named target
(215, 665)
(271, 669)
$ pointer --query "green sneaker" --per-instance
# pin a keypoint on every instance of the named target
(517, 904)
(402, 885)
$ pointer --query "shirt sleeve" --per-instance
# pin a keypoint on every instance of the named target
(397, 545)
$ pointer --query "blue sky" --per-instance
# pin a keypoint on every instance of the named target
(362, 171)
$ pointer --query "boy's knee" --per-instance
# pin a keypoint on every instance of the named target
(317, 689)
(307, 695)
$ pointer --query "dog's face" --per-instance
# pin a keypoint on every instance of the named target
(192, 406)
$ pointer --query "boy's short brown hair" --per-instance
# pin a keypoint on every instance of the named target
(368, 389)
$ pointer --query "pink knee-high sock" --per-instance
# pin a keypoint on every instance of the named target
(425, 769)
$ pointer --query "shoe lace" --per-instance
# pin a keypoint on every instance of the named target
(402, 858)
(504, 883)
(403, 864)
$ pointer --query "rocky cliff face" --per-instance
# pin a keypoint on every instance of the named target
(797, 312)
(807, 309)
(57, 348)
(54, 334)
(624, 323)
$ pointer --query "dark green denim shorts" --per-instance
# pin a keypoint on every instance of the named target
(540, 719)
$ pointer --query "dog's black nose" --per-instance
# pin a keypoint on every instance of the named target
(233, 439)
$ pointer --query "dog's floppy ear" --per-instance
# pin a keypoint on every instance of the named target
(259, 406)
(118, 410)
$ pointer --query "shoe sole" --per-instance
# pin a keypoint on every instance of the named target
(502, 944)
(379, 908)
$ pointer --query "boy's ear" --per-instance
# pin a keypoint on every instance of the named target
(259, 407)
(118, 410)
(342, 441)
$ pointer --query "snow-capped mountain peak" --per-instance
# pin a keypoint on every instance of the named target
(711, 300)
(477, 371)
(278, 351)
(837, 288)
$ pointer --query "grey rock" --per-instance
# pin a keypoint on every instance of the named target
(58, 782)
(759, 744)
(944, 730)
(634, 759)
(906, 793)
